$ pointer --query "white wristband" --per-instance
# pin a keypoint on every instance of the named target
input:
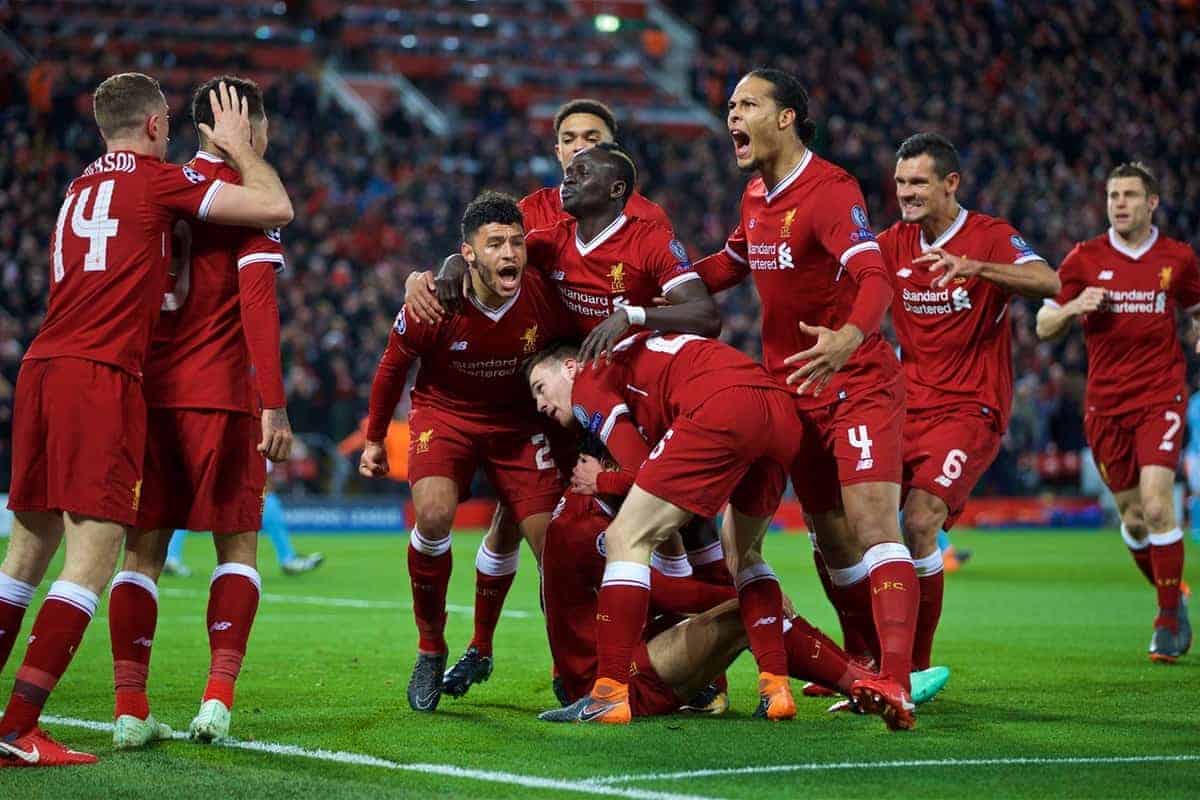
(635, 314)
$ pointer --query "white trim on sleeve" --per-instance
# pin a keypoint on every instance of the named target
(845, 257)
(610, 423)
(679, 280)
(1028, 258)
(254, 258)
(209, 196)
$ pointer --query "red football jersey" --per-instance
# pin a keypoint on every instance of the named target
(1134, 356)
(630, 262)
(955, 342)
(808, 243)
(109, 257)
(543, 208)
(199, 356)
(470, 362)
(654, 378)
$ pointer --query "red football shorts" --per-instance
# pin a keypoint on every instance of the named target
(857, 439)
(723, 451)
(1124, 443)
(79, 430)
(203, 471)
(517, 459)
(947, 451)
(649, 695)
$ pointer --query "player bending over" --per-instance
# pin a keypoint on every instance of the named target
(1127, 285)
(79, 427)
(724, 430)
(470, 408)
(209, 430)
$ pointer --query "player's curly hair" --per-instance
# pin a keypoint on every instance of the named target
(1136, 169)
(934, 145)
(585, 105)
(202, 107)
(558, 350)
(789, 92)
(490, 206)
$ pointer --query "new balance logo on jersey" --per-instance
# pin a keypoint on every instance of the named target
(458, 346)
(558, 275)
(864, 464)
(1105, 275)
(222, 625)
(764, 621)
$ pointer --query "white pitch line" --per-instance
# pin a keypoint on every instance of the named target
(838, 765)
(341, 602)
(448, 770)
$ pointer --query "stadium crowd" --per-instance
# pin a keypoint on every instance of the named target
(1036, 144)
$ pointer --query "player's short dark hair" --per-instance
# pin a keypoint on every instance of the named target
(1136, 169)
(558, 350)
(202, 106)
(490, 206)
(585, 105)
(789, 92)
(122, 102)
(934, 145)
(622, 162)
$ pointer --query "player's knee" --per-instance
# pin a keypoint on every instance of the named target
(435, 519)
(921, 526)
(1158, 513)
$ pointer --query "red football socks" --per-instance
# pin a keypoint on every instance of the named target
(1140, 550)
(14, 600)
(621, 611)
(895, 596)
(852, 601)
(232, 604)
(494, 575)
(57, 632)
(132, 618)
(813, 656)
(1166, 555)
(429, 565)
(708, 564)
(760, 603)
(931, 580)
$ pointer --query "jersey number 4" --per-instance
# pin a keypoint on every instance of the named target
(97, 229)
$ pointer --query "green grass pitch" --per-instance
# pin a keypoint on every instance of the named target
(1046, 633)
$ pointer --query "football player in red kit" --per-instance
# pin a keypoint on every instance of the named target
(724, 430)
(1127, 285)
(954, 271)
(805, 238)
(206, 444)
(470, 409)
(80, 417)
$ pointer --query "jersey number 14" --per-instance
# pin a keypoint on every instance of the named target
(97, 229)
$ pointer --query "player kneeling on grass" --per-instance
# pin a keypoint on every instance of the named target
(206, 440)
(470, 408)
(725, 430)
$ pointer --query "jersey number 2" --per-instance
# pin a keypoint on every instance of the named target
(1173, 423)
(97, 229)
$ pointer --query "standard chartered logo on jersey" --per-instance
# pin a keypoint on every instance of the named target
(770, 256)
(932, 302)
(1136, 301)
